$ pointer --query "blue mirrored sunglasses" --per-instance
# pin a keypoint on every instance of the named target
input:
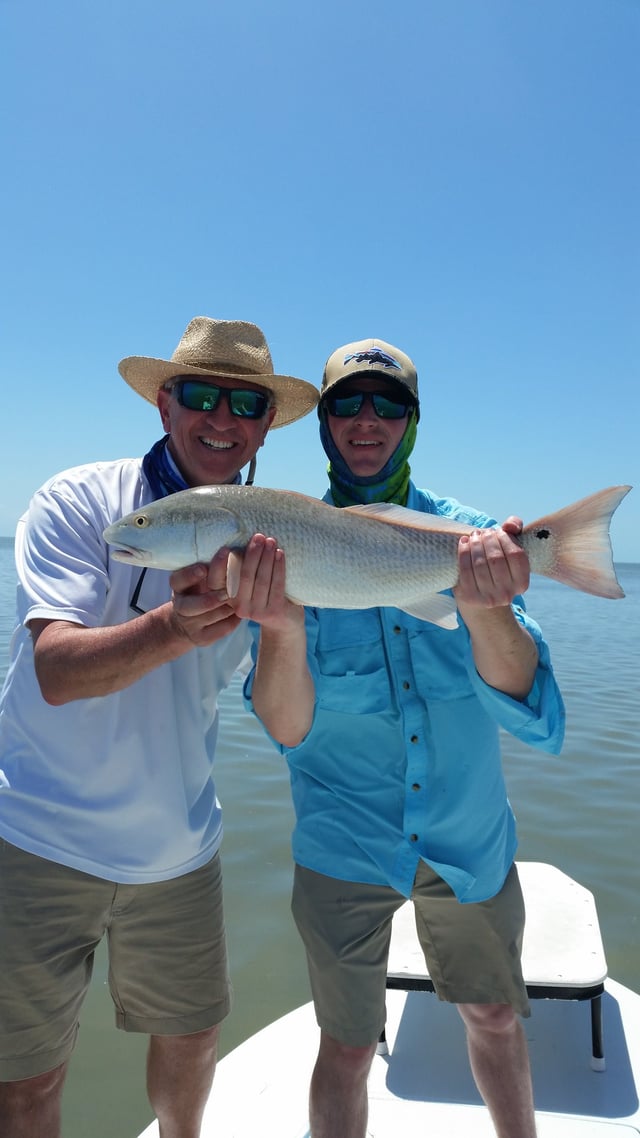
(198, 396)
(385, 406)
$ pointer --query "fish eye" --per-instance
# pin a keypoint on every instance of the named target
(141, 521)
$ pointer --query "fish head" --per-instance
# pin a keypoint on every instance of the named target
(148, 538)
(171, 533)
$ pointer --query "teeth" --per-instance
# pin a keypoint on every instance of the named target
(364, 443)
(216, 444)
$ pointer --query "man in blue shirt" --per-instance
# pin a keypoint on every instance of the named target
(390, 728)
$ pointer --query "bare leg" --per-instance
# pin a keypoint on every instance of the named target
(338, 1098)
(500, 1063)
(30, 1108)
(180, 1072)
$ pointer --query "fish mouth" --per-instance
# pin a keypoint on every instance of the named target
(126, 553)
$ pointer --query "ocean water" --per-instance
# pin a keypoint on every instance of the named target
(580, 811)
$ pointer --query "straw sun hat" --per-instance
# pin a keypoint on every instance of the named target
(229, 349)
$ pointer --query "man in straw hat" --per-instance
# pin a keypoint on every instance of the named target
(108, 725)
(390, 725)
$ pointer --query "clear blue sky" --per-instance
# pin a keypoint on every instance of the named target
(458, 177)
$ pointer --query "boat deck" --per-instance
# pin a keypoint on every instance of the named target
(424, 1084)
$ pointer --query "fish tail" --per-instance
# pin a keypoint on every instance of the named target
(573, 545)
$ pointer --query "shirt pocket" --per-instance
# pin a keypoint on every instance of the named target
(352, 675)
(440, 660)
(354, 694)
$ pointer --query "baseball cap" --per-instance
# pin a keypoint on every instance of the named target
(370, 357)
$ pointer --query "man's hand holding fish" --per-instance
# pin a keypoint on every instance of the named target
(201, 610)
(257, 580)
(493, 569)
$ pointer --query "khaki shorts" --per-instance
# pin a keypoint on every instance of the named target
(167, 956)
(472, 950)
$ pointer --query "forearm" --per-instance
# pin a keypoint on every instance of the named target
(73, 662)
(504, 652)
(283, 692)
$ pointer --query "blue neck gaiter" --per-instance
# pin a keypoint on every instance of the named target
(161, 472)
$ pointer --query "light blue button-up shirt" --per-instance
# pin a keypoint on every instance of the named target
(402, 760)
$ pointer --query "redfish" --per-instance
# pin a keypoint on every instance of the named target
(361, 556)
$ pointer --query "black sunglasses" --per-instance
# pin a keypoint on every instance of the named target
(198, 396)
(385, 406)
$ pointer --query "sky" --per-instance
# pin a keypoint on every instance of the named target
(460, 178)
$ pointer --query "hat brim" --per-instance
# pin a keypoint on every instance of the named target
(293, 398)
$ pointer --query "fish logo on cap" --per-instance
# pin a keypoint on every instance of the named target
(373, 356)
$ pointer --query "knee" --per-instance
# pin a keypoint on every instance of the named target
(489, 1019)
(36, 1097)
(177, 1052)
(348, 1063)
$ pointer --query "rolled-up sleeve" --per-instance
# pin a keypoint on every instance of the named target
(538, 720)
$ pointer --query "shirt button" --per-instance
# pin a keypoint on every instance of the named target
(414, 738)
(406, 685)
(396, 628)
(414, 837)
(416, 786)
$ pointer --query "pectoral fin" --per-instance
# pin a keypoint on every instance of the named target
(234, 567)
(437, 609)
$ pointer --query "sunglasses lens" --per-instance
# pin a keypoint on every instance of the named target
(345, 406)
(385, 406)
(248, 404)
(197, 396)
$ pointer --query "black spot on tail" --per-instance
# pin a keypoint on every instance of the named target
(543, 534)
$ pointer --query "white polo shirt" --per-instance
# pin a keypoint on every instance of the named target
(119, 786)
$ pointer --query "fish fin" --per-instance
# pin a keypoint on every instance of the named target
(234, 565)
(296, 601)
(396, 515)
(582, 557)
(437, 608)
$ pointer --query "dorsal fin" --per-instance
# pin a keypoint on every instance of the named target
(396, 515)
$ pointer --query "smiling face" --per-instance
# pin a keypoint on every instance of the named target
(211, 447)
(366, 442)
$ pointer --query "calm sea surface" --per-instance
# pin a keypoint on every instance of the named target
(580, 811)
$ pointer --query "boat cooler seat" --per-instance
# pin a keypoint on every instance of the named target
(562, 956)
